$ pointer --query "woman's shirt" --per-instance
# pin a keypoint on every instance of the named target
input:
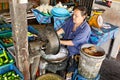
(78, 37)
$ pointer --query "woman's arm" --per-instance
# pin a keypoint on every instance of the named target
(66, 42)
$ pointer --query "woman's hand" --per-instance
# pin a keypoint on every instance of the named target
(60, 31)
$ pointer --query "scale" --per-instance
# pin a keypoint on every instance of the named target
(96, 20)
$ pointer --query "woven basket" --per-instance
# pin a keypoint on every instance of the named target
(50, 76)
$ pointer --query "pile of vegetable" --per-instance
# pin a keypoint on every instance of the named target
(4, 59)
(11, 75)
(4, 28)
(7, 40)
(45, 9)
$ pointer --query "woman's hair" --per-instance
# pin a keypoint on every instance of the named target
(82, 9)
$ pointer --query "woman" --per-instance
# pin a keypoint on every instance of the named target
(76, 31)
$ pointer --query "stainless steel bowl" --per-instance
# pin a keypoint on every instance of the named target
(59, 57)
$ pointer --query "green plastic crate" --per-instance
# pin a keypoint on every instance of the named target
(4, 28)
(6, 57)
(11, 67)
(3, 36)
(6, 35)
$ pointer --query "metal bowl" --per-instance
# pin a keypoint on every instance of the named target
(59, 57)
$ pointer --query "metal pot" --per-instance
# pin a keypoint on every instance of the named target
(59, 57)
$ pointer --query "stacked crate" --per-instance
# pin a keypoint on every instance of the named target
(6, 35)
(8, 71)
(7, 59)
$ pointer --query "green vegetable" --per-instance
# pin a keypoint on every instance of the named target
(11, 75)
(1, 61)
(0, 77)
(11, 61)
(5, 75)
(5, 78)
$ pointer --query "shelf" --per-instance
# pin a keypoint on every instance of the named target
(7, 18)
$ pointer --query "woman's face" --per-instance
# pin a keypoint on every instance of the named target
(77, 17)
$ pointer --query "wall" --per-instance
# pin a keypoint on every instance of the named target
(112, 14)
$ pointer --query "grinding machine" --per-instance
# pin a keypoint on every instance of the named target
(53, 57)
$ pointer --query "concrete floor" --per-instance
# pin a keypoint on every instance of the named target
(110, 70)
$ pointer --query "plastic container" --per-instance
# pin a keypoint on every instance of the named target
(89, 65)
(77, 76)
(4, 69)
(5, 28)
(40, 17)
(9, 34)
(4, 36)
(1, 47)
(60, 12)
(32, 30)
(11, 50)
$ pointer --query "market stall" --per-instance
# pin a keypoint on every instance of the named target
(47, 51)
(106, 38)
